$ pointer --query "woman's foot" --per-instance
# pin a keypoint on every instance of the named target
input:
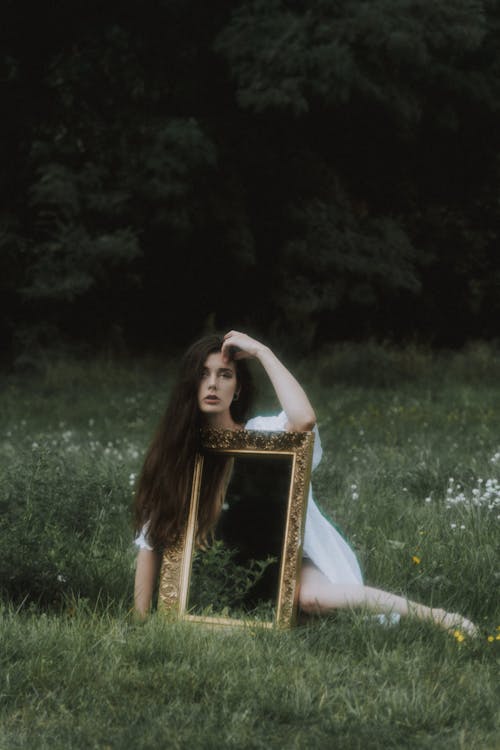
(454, 621)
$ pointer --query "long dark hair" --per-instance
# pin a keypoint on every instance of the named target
(164, 486)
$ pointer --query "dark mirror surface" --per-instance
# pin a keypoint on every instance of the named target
(236, 573)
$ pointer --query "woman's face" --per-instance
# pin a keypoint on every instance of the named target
(217, 386)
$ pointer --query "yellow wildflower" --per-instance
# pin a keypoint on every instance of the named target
(491, 638)
(416, 560)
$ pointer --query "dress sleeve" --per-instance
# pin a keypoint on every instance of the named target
(142, 540)
(317, 450)
(278, 423)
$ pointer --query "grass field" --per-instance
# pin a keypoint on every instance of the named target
(411, 474)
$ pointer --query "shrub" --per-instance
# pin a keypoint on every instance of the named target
(63, 527)
(220, 583)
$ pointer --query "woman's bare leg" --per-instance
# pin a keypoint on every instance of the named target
(319, 596)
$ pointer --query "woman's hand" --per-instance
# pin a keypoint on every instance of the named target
(240, 346)
(293, 400)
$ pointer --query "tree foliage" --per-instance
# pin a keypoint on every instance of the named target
(287, 54)
(255, 163)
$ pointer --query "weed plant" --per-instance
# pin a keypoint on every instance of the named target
(219, 584)
(410, 474)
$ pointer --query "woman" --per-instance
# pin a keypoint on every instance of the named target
(214, 390)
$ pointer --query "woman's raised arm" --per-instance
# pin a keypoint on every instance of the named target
(291, 395)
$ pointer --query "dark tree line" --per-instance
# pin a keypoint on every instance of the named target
(318, 170)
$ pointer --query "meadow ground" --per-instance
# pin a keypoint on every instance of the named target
(411, 474)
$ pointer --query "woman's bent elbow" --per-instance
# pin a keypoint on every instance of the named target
(310, 424)
(305, 425)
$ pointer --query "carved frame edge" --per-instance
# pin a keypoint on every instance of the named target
(176, 561)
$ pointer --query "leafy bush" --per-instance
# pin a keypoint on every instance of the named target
(219, 583)
(372, 363)
(381, 365)
(63, 527)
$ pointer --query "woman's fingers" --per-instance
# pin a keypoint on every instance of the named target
(228, 346)
(238, 345)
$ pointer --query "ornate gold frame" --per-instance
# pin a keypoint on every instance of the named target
(177, 560)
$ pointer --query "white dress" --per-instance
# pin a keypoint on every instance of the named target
(323, 544)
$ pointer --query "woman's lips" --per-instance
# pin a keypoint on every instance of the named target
(211, 399)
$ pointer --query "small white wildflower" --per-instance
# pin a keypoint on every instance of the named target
(355, 495)
(453, 525)
(462, 526)
(354, 487)
(428, 499)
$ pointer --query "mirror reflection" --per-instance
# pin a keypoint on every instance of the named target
(235, 570)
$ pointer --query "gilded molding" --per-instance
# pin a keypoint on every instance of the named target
(176, 563)
(170, 577)
(256, 440)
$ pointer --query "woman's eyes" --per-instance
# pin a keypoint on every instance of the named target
(227, 374)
